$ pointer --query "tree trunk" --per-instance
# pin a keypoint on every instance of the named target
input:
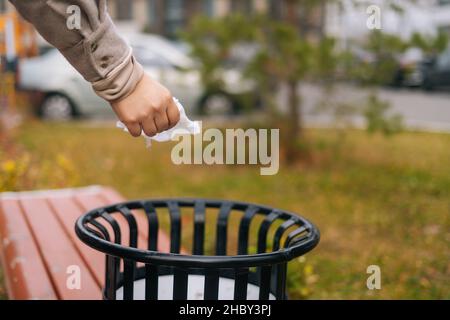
(159, 25)
(292, 16)
(294, 122)
(192, 8)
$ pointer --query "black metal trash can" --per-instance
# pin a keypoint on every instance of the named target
(267, 239)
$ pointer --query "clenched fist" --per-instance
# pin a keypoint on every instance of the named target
(149, 108)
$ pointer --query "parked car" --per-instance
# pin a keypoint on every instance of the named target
(436, 71)
(409, 71)
(64, 94)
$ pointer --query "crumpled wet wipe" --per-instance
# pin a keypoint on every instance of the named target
(184, 126)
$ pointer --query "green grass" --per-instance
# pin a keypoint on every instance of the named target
(377, 200)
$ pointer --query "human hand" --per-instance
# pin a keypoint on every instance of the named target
(149, 108)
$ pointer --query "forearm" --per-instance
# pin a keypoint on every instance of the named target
(95, 49)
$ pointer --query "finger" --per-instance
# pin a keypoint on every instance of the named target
(149, 127)
(161, 121)
(134, 128)
(173, 114)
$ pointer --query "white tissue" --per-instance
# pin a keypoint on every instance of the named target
(184, 126)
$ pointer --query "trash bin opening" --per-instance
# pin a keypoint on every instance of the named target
(137, 269)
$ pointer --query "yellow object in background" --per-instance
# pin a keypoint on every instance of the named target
(7, 91)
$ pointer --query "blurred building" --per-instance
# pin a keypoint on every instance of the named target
(166, 17)
(348, 19)
(441, 15)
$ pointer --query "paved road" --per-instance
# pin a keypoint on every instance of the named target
(420, 110)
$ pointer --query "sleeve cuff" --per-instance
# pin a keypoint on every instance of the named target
(121, 82)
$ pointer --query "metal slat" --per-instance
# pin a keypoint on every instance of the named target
(132, 226)
(264, 229)
(265, 281)
(211, 284)
(280, 284)
(279, 234)
(116, 231)
(199, 228)
(240, 284)
(151, 282)
(151, 271)
(180, 284)
(114, 225)
(175, 227)
(265, 273)
(222, 227)
(128, 280)
(110, 262)
(153, 226)
(244, 228)
(111, 277)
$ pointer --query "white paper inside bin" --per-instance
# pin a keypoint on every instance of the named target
(196, 284)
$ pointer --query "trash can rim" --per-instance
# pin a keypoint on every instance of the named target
(195, 261)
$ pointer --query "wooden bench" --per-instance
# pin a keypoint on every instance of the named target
(38, 242)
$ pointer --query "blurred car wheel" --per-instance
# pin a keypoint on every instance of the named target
(218, 104)
(57, 107)
(428, 84)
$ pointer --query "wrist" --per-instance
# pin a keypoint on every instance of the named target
(120, 82)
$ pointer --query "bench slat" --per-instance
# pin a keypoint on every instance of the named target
(58, 251)
(25, 274)
(38, 242)
(67, 212)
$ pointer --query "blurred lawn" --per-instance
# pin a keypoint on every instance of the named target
(376, 200)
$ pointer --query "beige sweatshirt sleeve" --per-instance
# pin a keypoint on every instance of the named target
(95, 49)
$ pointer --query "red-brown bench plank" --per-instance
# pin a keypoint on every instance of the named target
(58, 251)
(67, 212)
(38, 242)
(25, 274)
